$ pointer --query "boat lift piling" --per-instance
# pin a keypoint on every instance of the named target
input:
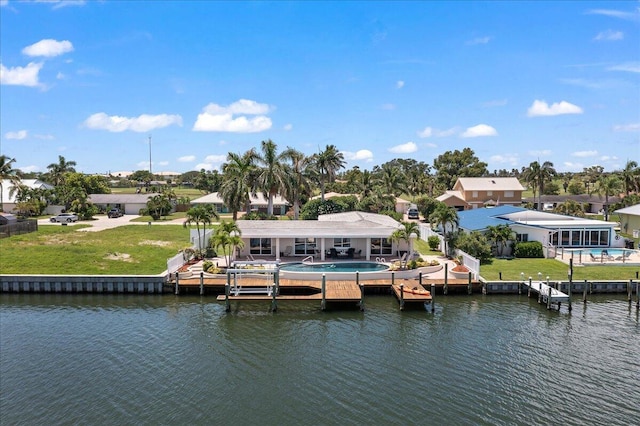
(433, 297)
(401, 296)
(323, 303)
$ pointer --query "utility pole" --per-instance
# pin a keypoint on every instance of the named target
(150, 172)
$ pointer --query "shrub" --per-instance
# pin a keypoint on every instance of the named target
(531, 249)
(433, 242)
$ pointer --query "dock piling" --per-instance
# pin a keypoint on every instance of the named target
(361, 296)
(469, 285)
(201, 283)
(433, 297)
(401, 297)
(584, 293)
(445, 290)
(630, 292)
(529, 288)
(323, 303)
(274, 304)
(227, 302)
(177, 286)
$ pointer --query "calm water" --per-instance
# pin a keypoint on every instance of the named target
(90, 359)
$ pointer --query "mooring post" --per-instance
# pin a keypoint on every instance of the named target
(358, 278)
(570, 295)
(540, 291)
(393, 278)
(549, 296)
(637, 295)
(584, 292)
(177, 284)
(433, 297)
(323, 304)
(420, 278)
(227, 302)
(470, 285)
(274, 304)
(529, 289)
(630, 292)
(201, 283)
(446, 273)
(361, 296)
(401, 296)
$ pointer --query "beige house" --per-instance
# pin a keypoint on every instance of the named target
(630, 220)
(474, 192)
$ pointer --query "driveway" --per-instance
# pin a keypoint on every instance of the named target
(101, 222)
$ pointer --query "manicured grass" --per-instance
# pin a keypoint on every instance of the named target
(556, 270)
(131, 249)
(422, 247)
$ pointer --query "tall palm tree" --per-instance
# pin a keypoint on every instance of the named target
(272, 176)
(391, 180)
(227, 237)
(608, 185)
(537, 176)
(631, 177)
(500, 235)
(57, 170)
(300, 184)
(7, 172)
(328, 163)
(444, 215)
(237, 181)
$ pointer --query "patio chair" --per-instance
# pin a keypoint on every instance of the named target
(287, 251)
(593, 258)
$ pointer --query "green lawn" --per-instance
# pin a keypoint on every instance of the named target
(556, 270)
(63, 250)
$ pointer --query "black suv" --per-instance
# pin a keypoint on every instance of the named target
(114, 213)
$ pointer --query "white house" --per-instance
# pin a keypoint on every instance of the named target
(9, 195)
(258, 203)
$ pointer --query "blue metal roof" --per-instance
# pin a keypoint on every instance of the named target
(480, 219)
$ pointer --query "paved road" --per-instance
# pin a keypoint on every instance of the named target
(101, 222)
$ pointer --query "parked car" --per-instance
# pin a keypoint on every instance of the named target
(412, 213)
(114, 213)
(64, 218)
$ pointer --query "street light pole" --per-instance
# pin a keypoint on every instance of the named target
(150, 154)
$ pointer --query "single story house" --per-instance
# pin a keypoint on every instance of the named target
(128, 203)
(9, 202)
(258, 203)
(339, 235)
(550, 229)
(630, 220)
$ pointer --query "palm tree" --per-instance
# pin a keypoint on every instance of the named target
(444, 215)
(391, 180)
(631, 177)
(200, 214)
(328, 162)
(237, 182)
(227, 237)
(300, 184)
(570, 208)
(537, 176)
(405, 233)
(500, 235)
(57, 170)
(7, 172)
(608, 185)
(272, 175)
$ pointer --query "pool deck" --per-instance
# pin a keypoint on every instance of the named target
(584, 259)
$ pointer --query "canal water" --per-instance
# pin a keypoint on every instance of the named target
(166, 360)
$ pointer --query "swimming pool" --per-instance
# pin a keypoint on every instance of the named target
(609, 251)
(328, 268)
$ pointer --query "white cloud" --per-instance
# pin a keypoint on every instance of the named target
(48, 48)
(609, 35)
(479, 130)
(29, 169)
(21, 76)
(4, 3)
(632, 127)
(479, 40)
(405, 148)
(143, 123)
(584, 154)
(541, 108)
(361, 155)
(218, 158)
(143, 165)
(427, 132)
(163, 163)
(399, 84)
(628, 67)
(19, 135)
(288, 127)
(217, 118)
(187, 158)
(448, 132)
(573, 167)
(629, 16)
(58, 4)
(511, 159)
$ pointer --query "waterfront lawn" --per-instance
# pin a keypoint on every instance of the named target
(556, 270)
(131, 249)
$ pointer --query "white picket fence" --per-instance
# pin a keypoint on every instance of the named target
(467, 260)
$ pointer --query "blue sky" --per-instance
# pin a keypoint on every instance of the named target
(514, 81)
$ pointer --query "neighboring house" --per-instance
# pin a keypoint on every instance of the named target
(356, 234)
(630, 220)
(593, 203)
(401, 206)
(259, 203)
(9, 196)
(550, 229)
(128, 203)
(475, 192)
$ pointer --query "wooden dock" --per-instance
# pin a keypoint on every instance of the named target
(547, 294)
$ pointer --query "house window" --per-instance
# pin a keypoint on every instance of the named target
(576, 238)
(508, 194)
(305, 246)
(474, 194)
(381, 246)
(522, 238)
(260, 246)
(565, 239)
(489, 193)
(342, 242)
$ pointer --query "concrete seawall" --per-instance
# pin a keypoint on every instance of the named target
(598, 287)
(139, 284)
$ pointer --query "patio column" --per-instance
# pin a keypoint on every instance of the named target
(368, 249)
(322, 249)
(277, 247)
